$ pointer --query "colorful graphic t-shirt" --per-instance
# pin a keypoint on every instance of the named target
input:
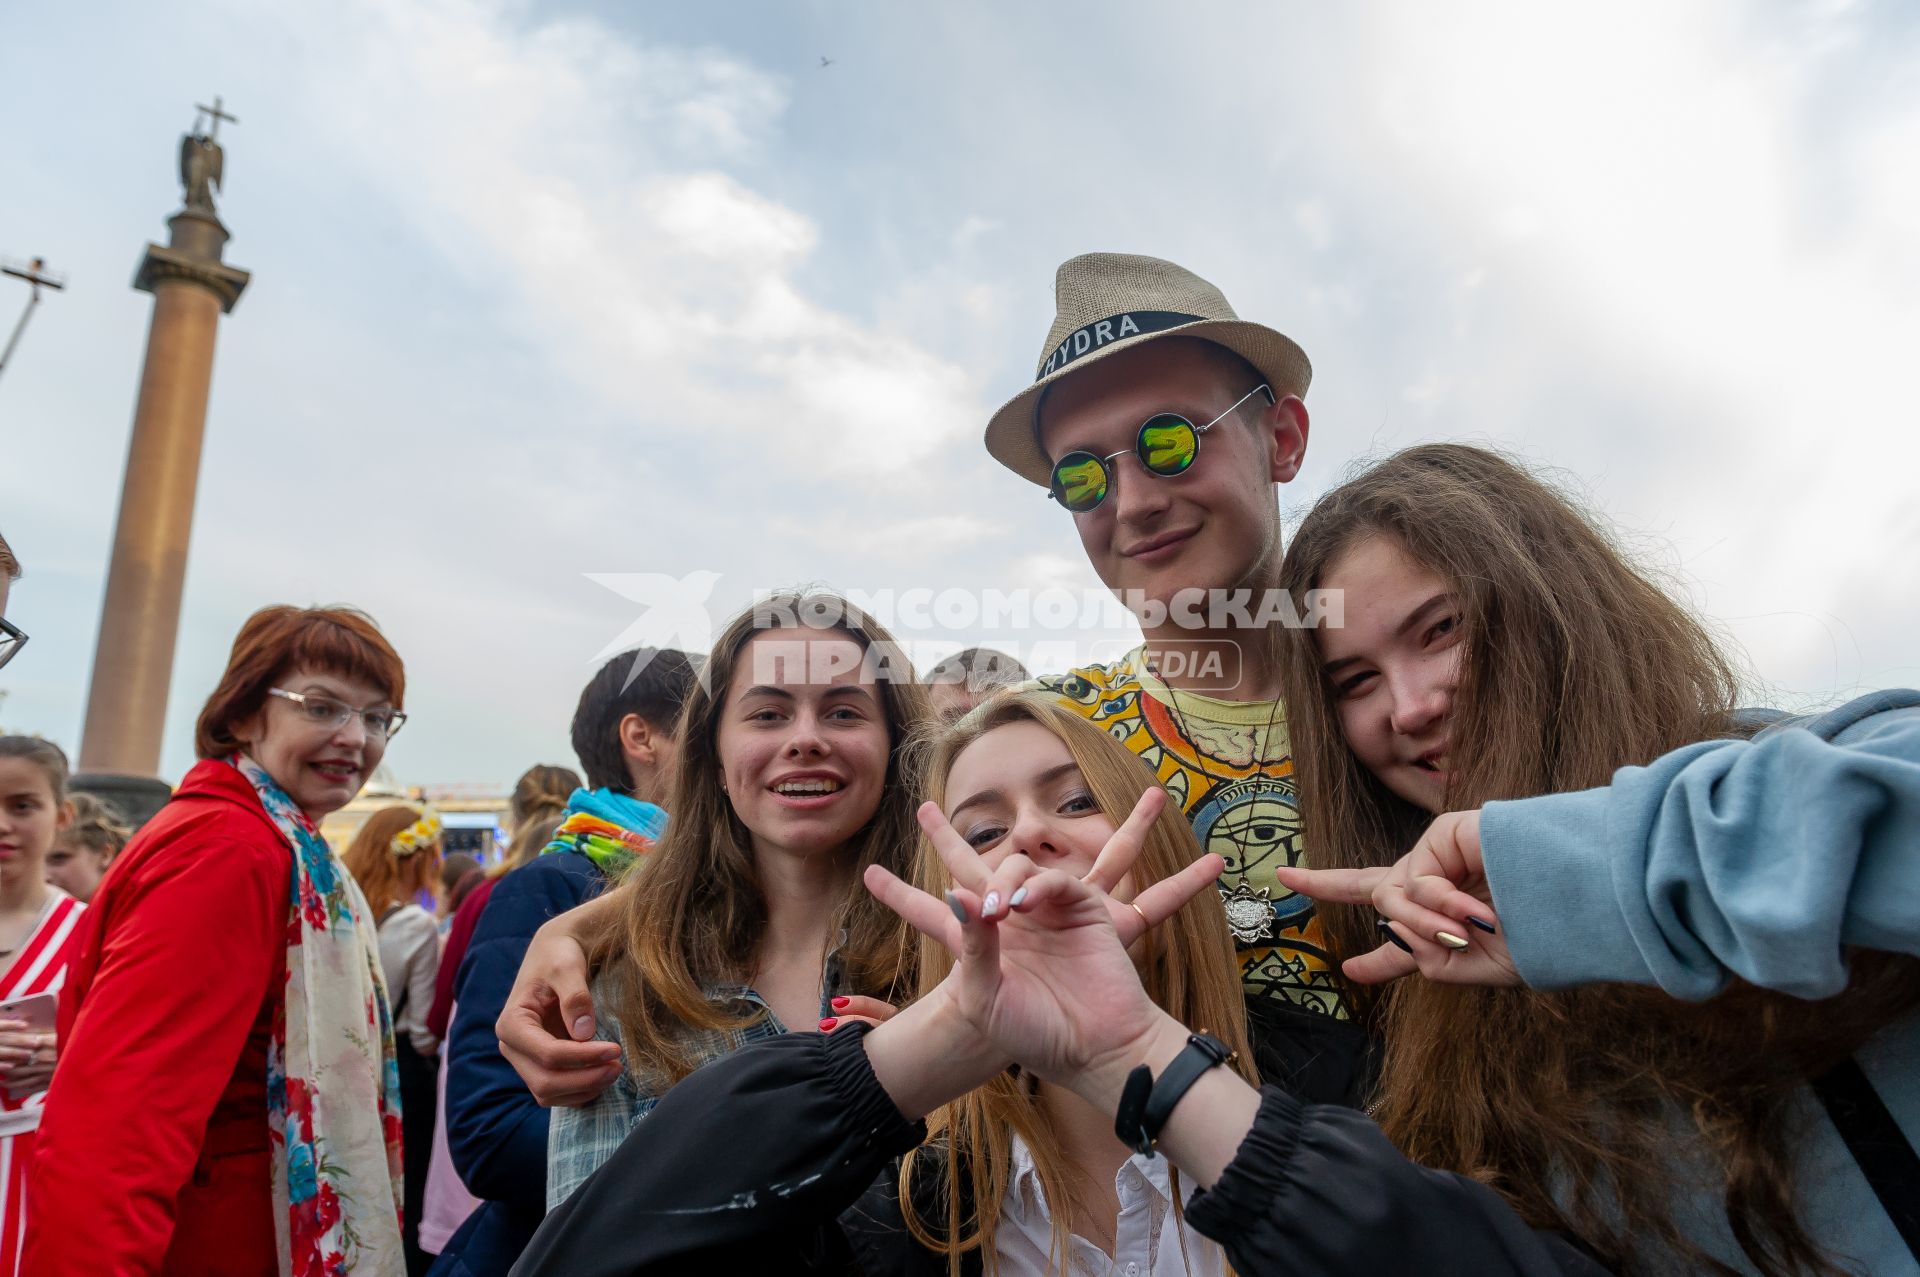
(1229, 764)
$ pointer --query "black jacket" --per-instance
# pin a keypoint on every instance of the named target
(783, 1157)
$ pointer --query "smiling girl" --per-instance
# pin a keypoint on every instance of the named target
(748, 919)
(38, 936)
(1496, 645)
(1008, 1174)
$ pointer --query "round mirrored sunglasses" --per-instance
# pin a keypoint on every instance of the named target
(1166, 443)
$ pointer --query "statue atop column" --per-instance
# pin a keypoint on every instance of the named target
(201, 158)
(192, 286)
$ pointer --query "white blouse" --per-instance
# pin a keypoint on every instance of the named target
(1147, 1241)
(410, 959)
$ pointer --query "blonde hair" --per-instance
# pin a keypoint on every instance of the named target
(539, 802)
(387, 879)
(97, 827)
(1188, 968)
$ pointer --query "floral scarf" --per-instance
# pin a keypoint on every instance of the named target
(609, 828)
(333, 1081)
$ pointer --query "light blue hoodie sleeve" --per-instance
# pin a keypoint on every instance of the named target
(1758, 859)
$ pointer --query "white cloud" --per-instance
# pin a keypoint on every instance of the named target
(576, 162)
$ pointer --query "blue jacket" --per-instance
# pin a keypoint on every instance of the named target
(496, 1131)
(1759, 859)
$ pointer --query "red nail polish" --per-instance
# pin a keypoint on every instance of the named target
(840, 1004)
(829, 1024)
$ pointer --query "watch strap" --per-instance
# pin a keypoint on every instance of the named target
(1147, 1102)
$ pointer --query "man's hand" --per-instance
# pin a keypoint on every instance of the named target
(546, 1027)
(1436, 902)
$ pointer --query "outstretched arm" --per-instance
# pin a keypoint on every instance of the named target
(1285, 1187)
(1763, 860)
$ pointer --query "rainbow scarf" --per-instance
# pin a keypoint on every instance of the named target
(610, 828)
(333, 1080)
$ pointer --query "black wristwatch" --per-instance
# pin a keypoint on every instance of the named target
(1146, 1103)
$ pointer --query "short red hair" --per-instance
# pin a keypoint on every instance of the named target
(276, 641)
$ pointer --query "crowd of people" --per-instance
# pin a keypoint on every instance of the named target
(1478, 925)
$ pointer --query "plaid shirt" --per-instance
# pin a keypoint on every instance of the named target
(580, 1139)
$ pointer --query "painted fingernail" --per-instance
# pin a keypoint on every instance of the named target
(840, 1004)
(1392, 935)
(1017, 899)
(959, 910)
(1483, 924)
(829, 1024)
(1450, 940)
(991, 903)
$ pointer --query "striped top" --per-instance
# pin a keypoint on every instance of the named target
(40, 967)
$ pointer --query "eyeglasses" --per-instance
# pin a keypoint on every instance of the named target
(1167, 445)
(12, 639)
(324, 711)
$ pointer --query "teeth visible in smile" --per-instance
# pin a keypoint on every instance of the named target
(798, 787)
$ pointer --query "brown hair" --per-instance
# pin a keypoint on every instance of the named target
(97, 827)
(45, 755)
(1188, 968)
(387, 879)
(1574, 664)
(539, 800)
(276, 641)
(700, 918)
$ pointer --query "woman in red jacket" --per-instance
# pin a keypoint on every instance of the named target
(226, 1101)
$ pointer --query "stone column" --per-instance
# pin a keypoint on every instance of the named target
(133, 662)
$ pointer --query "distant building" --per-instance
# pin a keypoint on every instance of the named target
(473, 816)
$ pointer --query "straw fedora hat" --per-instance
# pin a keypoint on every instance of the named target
(1106, 303)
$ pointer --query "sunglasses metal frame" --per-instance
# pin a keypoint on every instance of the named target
(396, 719)
(12, 639)
(1106, 463)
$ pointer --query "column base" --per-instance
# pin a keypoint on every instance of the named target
(136, 798)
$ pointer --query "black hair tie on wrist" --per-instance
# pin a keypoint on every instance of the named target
(1146, 1104)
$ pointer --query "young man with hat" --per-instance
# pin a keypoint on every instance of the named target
(1160, 422)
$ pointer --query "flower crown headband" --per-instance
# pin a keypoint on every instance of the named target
(423, 832)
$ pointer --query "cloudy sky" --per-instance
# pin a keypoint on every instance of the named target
(546, 292)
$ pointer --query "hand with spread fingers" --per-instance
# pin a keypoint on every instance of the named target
(1435, 906)
(1041, 964)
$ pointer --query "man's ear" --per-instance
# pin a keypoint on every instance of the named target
(639, 742)
(1284, 426)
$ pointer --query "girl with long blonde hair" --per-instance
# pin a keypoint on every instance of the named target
(995, 1171)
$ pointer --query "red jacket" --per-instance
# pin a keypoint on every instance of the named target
(153, 1155)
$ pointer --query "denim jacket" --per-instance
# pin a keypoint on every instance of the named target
(580, 1140)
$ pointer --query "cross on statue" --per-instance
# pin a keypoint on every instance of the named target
(216, 115)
